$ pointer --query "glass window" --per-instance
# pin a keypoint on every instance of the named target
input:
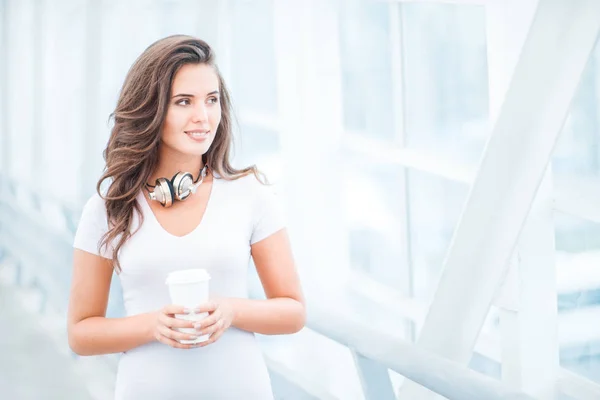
(258, 145)
(578, 282)
(366, 68)
(576, 161)
(374, 214)
(445, 78)
(20, 88)
(189, 17)
(378, 207)
(578, 148)
(4, 141)
(253, 80)
(435, 206)
(325, 363)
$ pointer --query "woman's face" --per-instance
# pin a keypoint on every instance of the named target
(194, 111)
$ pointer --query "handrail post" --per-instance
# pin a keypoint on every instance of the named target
(374, 378)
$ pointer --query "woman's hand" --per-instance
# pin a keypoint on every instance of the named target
(163, 324)
(220, 317)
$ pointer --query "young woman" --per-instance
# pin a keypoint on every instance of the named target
(171, 135)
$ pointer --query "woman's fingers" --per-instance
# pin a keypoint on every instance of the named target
(213, 338)
(174, 343)
(173, 309)
(176, 322)
(208, 321)
(175, 335)
(207, 307)
(211, 328)
(167, 326)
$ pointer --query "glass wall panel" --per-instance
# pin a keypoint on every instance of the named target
(435, 206)
(578, 281)
(253, 80)
(577, 153)
(365, 55)
(445, 64)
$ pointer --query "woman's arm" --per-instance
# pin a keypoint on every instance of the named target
(282, 312)
(275, 316)
(90, 333)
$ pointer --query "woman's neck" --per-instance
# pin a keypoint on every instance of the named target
(170, 164)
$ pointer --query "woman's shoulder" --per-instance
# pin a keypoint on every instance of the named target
(252, 191)
(95, 204)
(92, 220)
(247, 184)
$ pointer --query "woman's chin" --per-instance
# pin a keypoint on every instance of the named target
(187, 148)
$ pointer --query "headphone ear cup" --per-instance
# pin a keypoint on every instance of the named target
(164, 192)
(181, 183)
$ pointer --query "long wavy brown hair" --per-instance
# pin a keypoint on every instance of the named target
(131, 154)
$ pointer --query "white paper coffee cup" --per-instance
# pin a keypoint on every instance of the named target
(189, 288)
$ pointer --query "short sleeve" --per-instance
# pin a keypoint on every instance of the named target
(269, 216)
(92, 226)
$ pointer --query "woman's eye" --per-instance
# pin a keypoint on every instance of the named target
(183, 102)
(213, 100)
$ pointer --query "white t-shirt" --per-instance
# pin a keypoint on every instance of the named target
(239, 213)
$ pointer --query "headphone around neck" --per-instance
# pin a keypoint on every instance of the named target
(180, 187)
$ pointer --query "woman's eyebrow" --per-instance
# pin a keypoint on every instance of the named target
(191, 95)
(183, 95)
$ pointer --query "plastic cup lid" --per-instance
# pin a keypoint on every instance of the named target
(187, 276)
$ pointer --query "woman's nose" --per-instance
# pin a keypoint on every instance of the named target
(200, 114)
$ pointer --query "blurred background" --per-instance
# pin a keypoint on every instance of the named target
(371, 118)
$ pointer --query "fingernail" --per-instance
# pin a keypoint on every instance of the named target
(197, 326)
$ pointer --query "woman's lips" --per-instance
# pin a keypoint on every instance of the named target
(198, 136)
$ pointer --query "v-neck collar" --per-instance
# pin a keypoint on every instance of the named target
(149, 213)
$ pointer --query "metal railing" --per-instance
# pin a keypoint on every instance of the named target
(37, 233)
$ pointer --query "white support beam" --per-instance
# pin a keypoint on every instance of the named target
(4, 52)
(554, 55)
(418, 159)
(89, 166)
(459, 2)
(448, 378)
(288, 381)
(399, 125)
(506, 23)
(374, 378)
(528, 310)
(39, 7)
(577, 387)
(307, 62)
(20, 88)
(578, 198)
(538, 342)
(507, 303)
(224, 39)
